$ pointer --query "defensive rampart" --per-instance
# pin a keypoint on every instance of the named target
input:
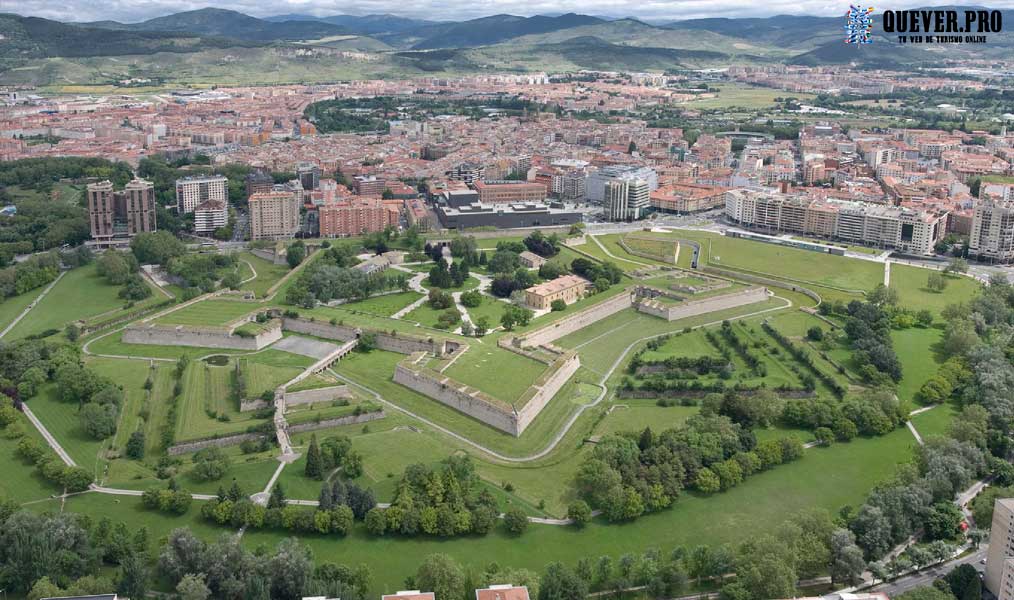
(180, 335)
(578, 320)
(753, 278)
(401, 343)
(545, 388)
(692, 308)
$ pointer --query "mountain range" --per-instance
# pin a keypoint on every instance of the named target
(499, 41)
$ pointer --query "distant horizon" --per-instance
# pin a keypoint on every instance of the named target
(135, 11)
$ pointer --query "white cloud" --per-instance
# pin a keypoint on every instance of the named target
(456, 10)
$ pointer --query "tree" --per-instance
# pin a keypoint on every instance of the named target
(515, 521)
(957, 265)
(824, 436)
(558, 305)
(815, 334)
(192, 587)
(99, 420)
(135, 576)
(481, 326)
(579, 513)
(935, 282)
(924, 317)
(135, 445)
(707, 481)
(847, 564)
(440, 574)
(376, 521)
(314, 468)
(560, 583)
(277, 497)
(883, 296)
(943, 521)
(156, 248)
(210, 464)
(44, 588)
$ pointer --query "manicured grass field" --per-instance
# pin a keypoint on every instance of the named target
(82, 293)
(634, 414)
(914, 347)
(801, 265)
(12, 307)
(935, 421)
(426, 315)
(209, 313)
(913, 294)
(268, 273)
(491, 308)
(61, 419)
(498, 372)
(385, 305)
(469, 284)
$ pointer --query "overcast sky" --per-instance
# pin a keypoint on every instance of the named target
(651, 10)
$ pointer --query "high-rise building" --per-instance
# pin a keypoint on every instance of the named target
(368, 185)
(273, 215)
(992, 235)
(194, 191)
(1000, 558)
(115, 216)
(210, 216)
(308, 175)
(626, 199)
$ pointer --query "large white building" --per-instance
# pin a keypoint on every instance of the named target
(1000, 558)
(992, 236)
(194, 191)
(595, 184)
(906, 230)
(209, 216)
(626, 199)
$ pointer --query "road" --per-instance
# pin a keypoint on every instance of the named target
(926, 576)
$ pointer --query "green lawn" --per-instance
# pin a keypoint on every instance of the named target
(745, 96)
(207, 406)
(935, 421)
(213, 312)
(385, 305)
(914, 347)
(61, 419)
(913, 294)
(491, 308)
(268, 273)
(498, 372)
(13, 306)
(634, 414)
(469, 284)
(426, 315)
(81, 294)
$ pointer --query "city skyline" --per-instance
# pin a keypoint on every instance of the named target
(131, 11)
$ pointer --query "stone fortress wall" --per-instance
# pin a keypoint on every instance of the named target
(578, 320)
(180, 335)
(692, 308)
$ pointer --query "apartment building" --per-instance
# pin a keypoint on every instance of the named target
(116, 216)
(999, 577)
(356, 216)
(308, 175)
(368, 185)
(193, 191)
(209, 216)
(259, 181)
(687, 198)
(509, 192)
(992, 237)
(904, 229)
(274, 215)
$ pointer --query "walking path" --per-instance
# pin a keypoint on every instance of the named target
(34, 303)
(55, 445)
(887, 273)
